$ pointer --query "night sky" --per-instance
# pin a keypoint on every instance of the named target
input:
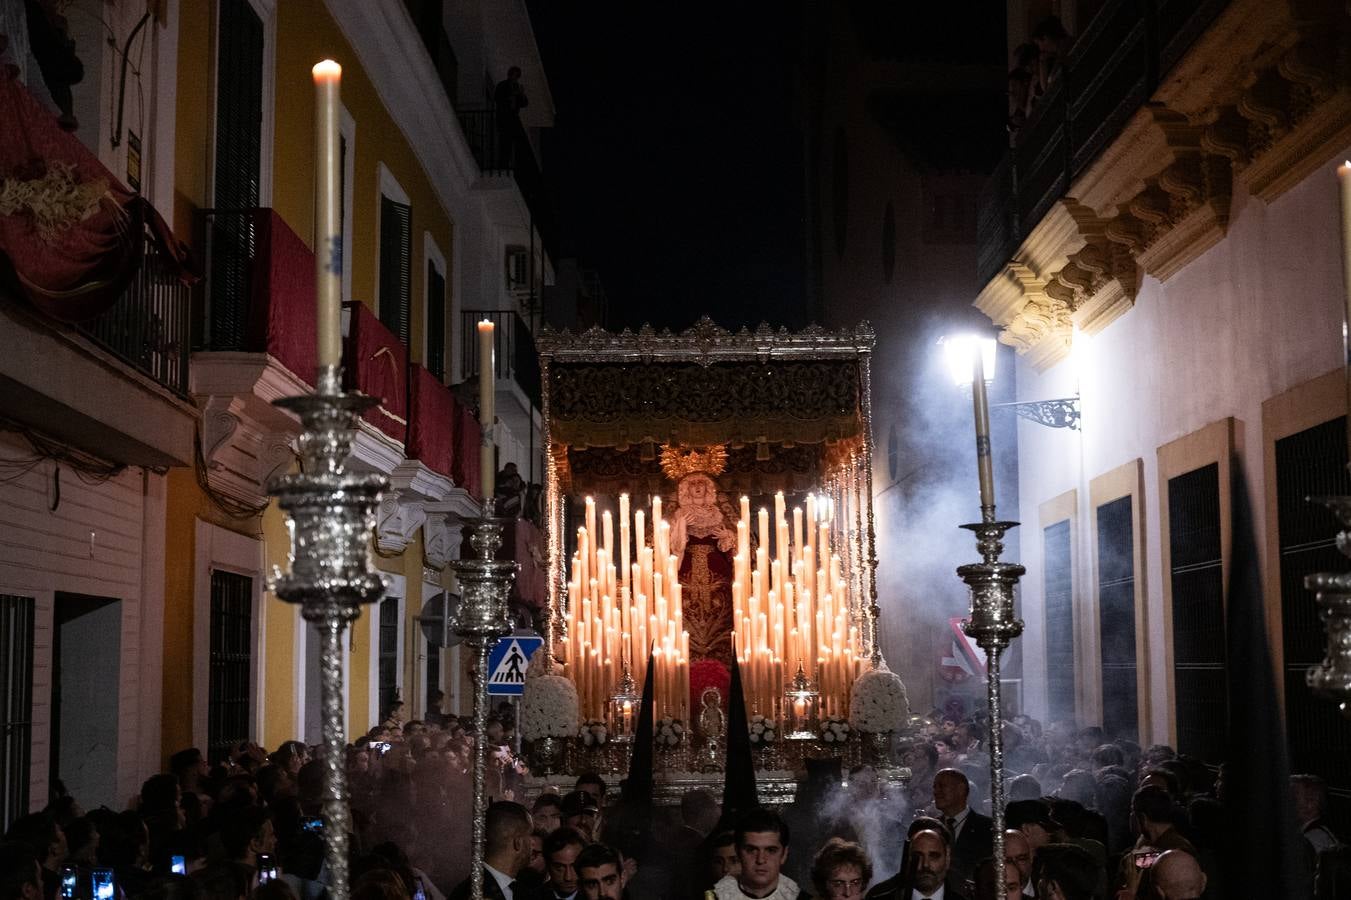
(676, 157)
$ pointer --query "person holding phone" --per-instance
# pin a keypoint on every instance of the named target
(1154, 815)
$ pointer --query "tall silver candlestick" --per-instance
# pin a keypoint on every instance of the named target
(993, 625)
(331, 512)
(1332, 678)
(485, 587)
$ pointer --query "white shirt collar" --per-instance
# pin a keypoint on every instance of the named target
(936, 895)
(503, 881)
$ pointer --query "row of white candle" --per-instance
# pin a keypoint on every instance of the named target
(620, 608)
(792, 609)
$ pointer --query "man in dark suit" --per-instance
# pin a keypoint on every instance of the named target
(927, 870)
(506, 851)
(973, 834)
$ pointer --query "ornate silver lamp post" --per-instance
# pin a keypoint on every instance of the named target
(1332, 679)
(331, 512)
(991, 620)
(485, 586)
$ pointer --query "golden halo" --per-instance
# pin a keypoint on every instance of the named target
(677, 462)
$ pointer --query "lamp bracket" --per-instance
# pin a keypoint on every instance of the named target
(1063, 412)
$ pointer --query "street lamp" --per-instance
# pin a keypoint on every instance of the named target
(991, 621)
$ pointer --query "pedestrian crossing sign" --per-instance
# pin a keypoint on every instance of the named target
(507, 662)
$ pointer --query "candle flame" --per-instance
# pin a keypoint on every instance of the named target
(326, 70)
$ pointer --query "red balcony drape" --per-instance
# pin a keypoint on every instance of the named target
(376, 363)
(284, 309)
(432, 423)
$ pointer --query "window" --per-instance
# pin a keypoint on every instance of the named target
(389, 655)
(396, 256)
(1196, 577)
(16, 704)
(435, 356)
(1059, 588)
(1311, 462)
(229, 711)
(1116, 618)
(238, 170)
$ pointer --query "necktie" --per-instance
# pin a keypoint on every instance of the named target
(951, 822)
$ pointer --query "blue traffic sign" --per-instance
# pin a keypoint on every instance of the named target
(507, 662)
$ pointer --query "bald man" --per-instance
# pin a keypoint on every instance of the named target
(1178, 876)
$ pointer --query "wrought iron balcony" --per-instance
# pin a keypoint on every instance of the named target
(502, 148)
(149, 327)
(515, 356)
(1113, 68)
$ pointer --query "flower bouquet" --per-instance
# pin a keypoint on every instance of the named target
(834, 731)
(593, 733)
(548, 708)
(879, 704)
(668, 733)
(764, 731)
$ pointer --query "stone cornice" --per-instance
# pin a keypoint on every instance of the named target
(1261, 98)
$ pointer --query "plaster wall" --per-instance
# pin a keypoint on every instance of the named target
(1258, 314)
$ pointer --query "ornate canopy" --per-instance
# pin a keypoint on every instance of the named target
(763, 394)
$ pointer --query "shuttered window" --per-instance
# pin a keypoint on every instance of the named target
(436, 321)
(16, 705)
(1059, 621)
(388, 673)
(229, 701)
(1197, 576)
(237, 173)
(1311, 463)
(396, 265)
(1116, 618)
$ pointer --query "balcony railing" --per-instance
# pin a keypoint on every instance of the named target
(259, 288)
(1113, 68)
(150, 327)
(502, 148)
(514, 353)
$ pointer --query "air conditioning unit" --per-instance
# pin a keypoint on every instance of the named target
(518, 268)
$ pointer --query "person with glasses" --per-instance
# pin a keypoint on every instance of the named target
(841, 870)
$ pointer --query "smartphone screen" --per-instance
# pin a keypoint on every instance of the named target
(267, 868)
(103, 884)
(178, 865)
(1146, 858)
(314, 824)
(419, 893)
(68, 882)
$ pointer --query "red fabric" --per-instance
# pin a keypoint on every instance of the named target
(376, 363)
(83, 271)
(431, 425)
(464, 465)
(284, 309)
(704, 674)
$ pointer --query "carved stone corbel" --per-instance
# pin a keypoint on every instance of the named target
(241, 452)
(441, 538)
(397, 521)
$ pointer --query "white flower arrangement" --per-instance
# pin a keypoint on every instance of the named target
(834, 731)
(763, 730)
(548, 708)
(593, 733)
(668, 732)
(879, 703)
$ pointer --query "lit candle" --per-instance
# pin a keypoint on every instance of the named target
(984, 460)
(486, 413)
(328, 260)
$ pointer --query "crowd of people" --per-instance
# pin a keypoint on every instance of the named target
(1086, 818)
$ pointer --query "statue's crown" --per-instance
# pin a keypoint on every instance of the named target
(677, 462)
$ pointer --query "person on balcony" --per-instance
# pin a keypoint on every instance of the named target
(508, 100)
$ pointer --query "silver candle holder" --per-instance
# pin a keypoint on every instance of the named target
(485, 587)
(331, 512)
(1332, 678)
(993, 625)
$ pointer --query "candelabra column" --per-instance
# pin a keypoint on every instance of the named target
(1332, 678)
(993, 625)
(332, 512)
(485, 586)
